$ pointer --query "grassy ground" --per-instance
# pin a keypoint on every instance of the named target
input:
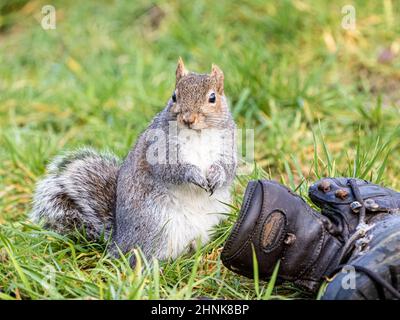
(322, 100)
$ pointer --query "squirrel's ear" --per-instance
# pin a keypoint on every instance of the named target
(180, 70)
(217, 73)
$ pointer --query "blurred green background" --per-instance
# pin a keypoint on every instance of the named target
(322, 99)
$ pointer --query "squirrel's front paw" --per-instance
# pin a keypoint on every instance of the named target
(215, 177)
(195, 176)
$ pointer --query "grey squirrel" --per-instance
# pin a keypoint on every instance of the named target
(168, 193)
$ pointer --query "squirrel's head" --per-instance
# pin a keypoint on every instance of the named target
(198, 101)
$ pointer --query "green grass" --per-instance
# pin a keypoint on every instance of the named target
(320, 102)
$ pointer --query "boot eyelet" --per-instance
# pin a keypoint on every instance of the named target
(341, 194)
(290, 238)
(324, 186)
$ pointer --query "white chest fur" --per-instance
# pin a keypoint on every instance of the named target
(201, 148)
(192, 214)
(191, 211)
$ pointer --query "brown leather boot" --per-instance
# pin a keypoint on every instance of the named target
(280, 225)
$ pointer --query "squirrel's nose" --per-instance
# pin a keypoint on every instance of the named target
(188, 119)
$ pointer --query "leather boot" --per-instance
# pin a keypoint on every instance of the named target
(280, 225)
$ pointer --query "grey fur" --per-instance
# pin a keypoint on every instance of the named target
(141, 185)
(83, 188)
(78, 192)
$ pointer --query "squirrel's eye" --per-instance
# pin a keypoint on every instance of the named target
(211, 99)
(174, 97)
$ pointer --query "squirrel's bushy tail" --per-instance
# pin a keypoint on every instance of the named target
(78, 193)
